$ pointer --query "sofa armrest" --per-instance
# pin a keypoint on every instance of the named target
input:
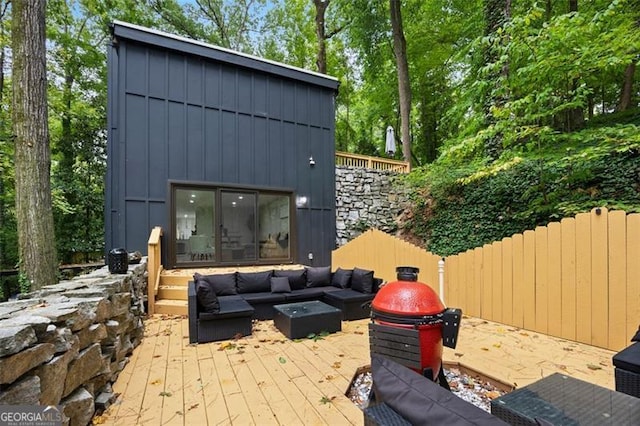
(376, 284)
(193, 312)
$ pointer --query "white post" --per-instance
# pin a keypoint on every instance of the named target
(441, 279)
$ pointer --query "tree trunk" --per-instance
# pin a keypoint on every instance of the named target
(36, 242)
(404, 84)
(1, 132)
(321, 56)
(626, 93)
(496, 13)
(575, 117)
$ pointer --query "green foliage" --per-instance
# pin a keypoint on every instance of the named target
(466, 207)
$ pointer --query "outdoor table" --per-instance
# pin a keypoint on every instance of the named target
(297, 320)
(563, 400)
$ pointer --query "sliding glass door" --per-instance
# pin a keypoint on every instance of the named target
(238, 226)
(217, 225)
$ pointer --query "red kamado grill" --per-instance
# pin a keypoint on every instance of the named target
(410, 324)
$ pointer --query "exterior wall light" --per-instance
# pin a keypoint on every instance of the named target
(312, 162)
(301, 201)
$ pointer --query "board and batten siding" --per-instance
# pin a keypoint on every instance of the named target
(178, 113)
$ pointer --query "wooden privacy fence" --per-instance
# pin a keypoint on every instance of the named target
(578, 279)
(382, 252)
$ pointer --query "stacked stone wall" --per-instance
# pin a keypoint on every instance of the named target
(67, 343)
(365, 199)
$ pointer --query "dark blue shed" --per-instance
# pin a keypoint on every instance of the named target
(232, 155)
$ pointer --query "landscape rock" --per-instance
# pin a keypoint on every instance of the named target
(66, 343)
(62, 338)
(13, 339)
(16, 365)
(92, 334)
(78, 407)
(86, 365)
(38, 323)
(50, 374)
(24, 391)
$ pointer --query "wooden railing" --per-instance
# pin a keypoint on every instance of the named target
(367, 162)
(154, 267)
(577, 279)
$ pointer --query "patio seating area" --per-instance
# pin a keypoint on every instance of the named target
(266, 378)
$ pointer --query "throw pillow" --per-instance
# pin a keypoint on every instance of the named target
(223, 284)
(362, 280)
(206, 297)
(297, 277)
(280, 285)
(341, 278)
(318, 276)
(254, 282)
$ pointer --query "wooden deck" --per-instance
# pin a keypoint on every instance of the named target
(268, 379)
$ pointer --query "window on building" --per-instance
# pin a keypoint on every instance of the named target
(219, 225)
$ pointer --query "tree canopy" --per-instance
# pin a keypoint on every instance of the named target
(520, 112)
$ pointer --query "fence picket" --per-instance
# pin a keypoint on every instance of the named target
(583, 278)
(617, 264)
(554, 276)
(599, 276)
(568, 279)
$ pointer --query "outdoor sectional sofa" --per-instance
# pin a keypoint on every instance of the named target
(222, 306)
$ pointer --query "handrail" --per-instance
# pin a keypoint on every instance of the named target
(368, 162)
(153, 267)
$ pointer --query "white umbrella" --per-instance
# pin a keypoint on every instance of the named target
(390, 147)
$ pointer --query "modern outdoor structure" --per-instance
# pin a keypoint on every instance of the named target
(232, 155)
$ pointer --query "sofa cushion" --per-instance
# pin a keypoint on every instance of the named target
(230, 307)
(362, 280)
(628, 358)
(263, 297)
(348, 295)
(297, 277)
(318, 276)
(421, 401)
(280, 285)
(303, 295)
(206, 297)
(223, 284)
(254, 282)
(341, 278)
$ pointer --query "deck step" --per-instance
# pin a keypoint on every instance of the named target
(174, 292)
(171, 307)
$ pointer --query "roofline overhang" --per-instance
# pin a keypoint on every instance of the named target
(137, 33)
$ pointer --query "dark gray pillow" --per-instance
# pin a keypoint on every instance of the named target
(341, 278)
(297, 277)
(280, 285)
(223, 284)
(318, 276)
(421, 401)
(254, 282)
(362, 280)
(206, 297)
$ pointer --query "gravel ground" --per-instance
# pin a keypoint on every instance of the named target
(472, 389)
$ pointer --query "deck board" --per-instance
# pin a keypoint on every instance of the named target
(194, 404)
(268, 379)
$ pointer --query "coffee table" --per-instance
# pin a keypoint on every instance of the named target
(298, 320)
(563, 400)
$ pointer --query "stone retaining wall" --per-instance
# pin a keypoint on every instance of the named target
(366, 198)
(66, 343)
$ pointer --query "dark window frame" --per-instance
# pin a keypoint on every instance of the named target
(218, 188)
